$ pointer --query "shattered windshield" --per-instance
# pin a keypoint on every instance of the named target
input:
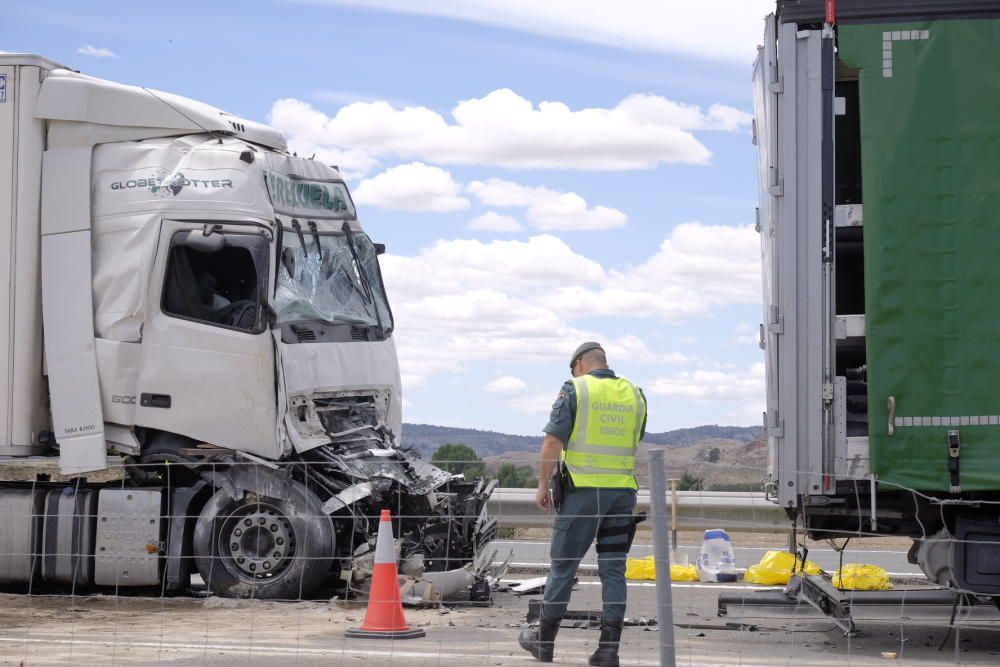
(321, 277)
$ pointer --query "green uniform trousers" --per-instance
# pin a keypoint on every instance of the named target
(588, 514)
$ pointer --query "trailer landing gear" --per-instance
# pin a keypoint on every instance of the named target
(820, 594)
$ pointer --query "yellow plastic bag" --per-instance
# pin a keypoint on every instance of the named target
(639, 568)
(643, 568)
(775, 568)
(683, 573)
(857, 577)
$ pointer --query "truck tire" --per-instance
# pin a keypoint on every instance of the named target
(263, 547)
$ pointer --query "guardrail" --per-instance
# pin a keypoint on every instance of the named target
(696, 510)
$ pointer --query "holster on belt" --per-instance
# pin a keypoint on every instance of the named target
(560, 484)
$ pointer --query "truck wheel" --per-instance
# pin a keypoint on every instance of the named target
(263, 547)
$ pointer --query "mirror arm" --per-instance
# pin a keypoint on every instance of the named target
(270, 315)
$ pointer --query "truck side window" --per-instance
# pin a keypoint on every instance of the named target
(217, 286)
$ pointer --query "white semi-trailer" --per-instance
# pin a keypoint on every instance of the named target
(180, 292)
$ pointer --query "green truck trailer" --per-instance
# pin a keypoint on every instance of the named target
(878, 135)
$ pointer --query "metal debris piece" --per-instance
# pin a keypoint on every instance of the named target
(529, 586)
(582, 618)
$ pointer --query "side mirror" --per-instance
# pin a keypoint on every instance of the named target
(196, 239)
(379, 248)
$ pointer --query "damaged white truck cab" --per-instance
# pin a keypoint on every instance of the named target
(212, 310)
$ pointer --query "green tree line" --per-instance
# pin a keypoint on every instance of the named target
(460, 459)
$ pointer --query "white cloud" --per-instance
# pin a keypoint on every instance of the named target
(534, 404)
(505, 129)
(475, 301)
(674, 358)
(343, 97)
(96, 51)
(547, 209)
(696, 268)
(412, 381)
(722, 117)
(720, 263)
(506, 384)
(492, 221)
(516, 301)
(713, 385)
(746, 334)
(303, 125)
(449, 268)
(352, 164)
(713, 29)
(412, 187)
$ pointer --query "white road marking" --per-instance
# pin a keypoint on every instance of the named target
(343, 651)
(701, 660)
(687, 546)
(689, 584)
(249, 649)
(590, 566)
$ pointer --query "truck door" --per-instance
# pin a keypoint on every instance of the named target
(207, 360)
(796, 331)
(804, 310)
(765, 137)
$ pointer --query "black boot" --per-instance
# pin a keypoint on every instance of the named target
(606, 654)
(540, 641)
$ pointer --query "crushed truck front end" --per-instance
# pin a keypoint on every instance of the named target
(221, 324)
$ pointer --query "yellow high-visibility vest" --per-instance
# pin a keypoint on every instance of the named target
(606, 431)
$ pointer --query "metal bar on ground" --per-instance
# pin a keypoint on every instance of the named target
(911, 598)
(661, 557)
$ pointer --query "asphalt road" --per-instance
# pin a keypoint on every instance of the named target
(133, 630)
(108, 630)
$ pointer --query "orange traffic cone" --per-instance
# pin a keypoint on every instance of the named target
(384, 616)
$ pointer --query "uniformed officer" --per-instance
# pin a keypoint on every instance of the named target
(595, 427)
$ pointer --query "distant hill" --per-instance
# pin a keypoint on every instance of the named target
(684, 437)
(426, 438)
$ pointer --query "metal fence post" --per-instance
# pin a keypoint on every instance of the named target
(661, 557)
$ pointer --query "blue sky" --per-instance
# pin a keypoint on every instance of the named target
(622, 210)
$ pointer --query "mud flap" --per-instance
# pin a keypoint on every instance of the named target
(254, 478)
